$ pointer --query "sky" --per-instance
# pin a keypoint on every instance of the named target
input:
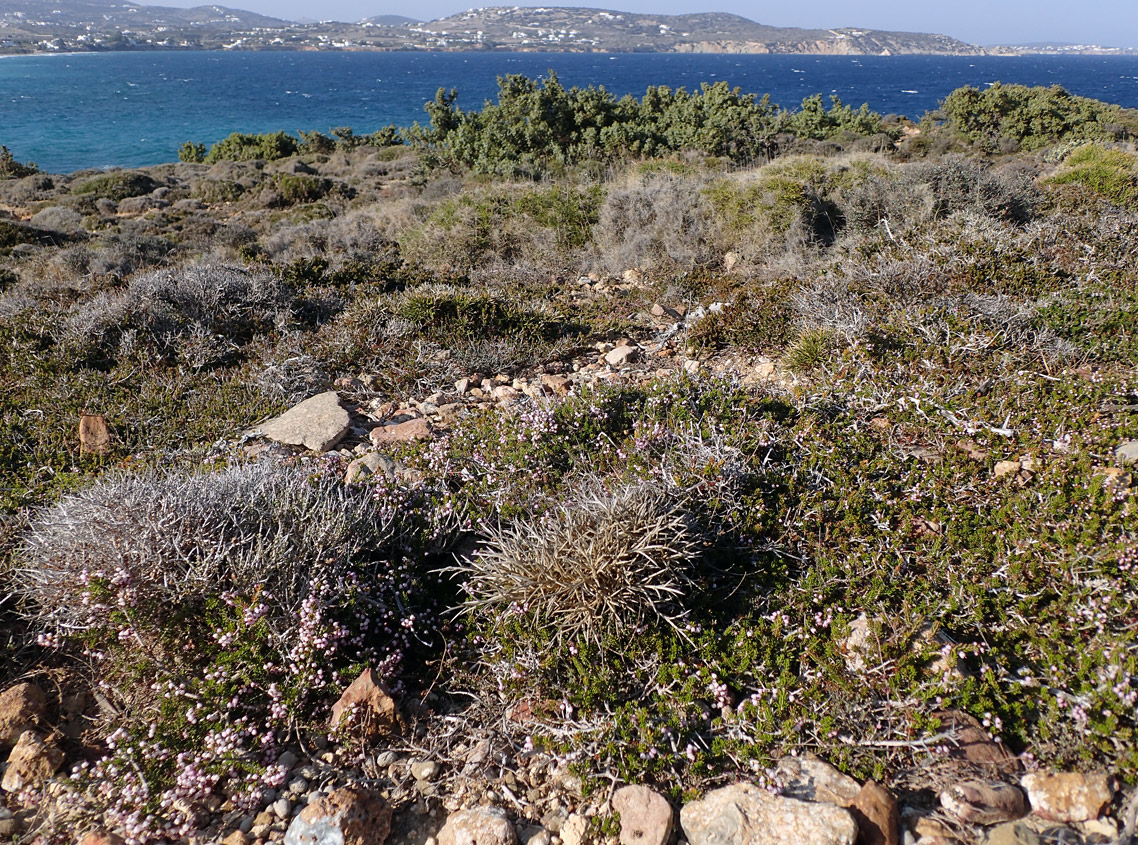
(1106, 22)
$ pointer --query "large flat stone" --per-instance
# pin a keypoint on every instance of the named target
(318, 423)
(744, 814)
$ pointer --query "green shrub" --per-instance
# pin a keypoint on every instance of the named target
(1033, 117)
(299, 188)
(192, 152)
(813, 120)
(785, 200)
(242, 147)
(12, 169)
(1112, 174)
(116, 186)
(217, 190)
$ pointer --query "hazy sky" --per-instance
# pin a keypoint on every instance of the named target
(1109, 22)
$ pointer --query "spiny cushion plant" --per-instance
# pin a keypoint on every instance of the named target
(600, 564)
(224, 611)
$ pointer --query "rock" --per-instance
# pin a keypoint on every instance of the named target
(1003, 468)
(424, 770)
(94, 435)
(1012, 833)
(235, 838)
(929, 831)
(367, 466)
(351, 815)
(811, 779)
(31, 762)
(558, 384)
(282, 808)
(318, 423)
(1113, 476)
(874, 809)
(10, 828)
(743, 814)
(101, 837)
(967, 740)
(478, 826)
(366, 709)
(984, 802)
(22, 708)
(858, 644)
(405, 432)
(1070, 796)
(622, 355)
(646, 817)
(1127, 453)
(575, 830)
(505, 393)
(288, 760)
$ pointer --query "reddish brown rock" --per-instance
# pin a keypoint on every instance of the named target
(967, 740)
(94, 435)
(404, 432)
(101, 837)
(366, 709)
(31, 762)
(1069, 796)
(646, 817)
(22, 708)
(875, 810)
(352, 815)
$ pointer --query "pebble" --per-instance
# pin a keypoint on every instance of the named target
(282, 807)
(424, 770)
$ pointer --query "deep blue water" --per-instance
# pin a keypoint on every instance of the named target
(96, 110)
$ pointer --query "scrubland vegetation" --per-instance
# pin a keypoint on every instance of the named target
(894, 364)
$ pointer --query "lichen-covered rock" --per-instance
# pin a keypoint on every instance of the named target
(1069, 796)
(318, 423)
(646, 817)
(352, 815)
(743, 814)
(478, 826)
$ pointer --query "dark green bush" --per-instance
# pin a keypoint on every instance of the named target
(1033, 117)
(192, 152)
(241, 147)
(298, 188)
(12, 169)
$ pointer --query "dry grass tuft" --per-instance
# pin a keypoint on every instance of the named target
(600, 565)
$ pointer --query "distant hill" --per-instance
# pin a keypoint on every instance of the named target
(708, 32)
(50, 26)
(390, 20)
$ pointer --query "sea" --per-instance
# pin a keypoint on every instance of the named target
(96, 110)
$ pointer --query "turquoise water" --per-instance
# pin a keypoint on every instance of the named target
(129, 109)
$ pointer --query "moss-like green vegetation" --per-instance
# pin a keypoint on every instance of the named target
(881, 384)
